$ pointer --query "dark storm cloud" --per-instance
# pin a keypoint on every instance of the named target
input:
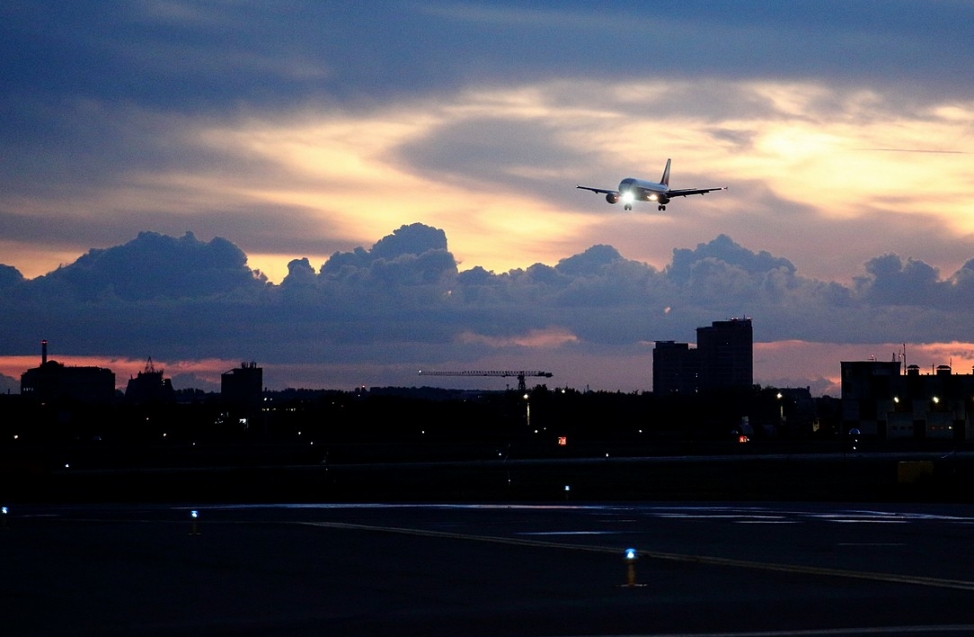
(152, 266)
(99, 98)
(403, 300)
(10, 276)
(871, 41)
(203, 56)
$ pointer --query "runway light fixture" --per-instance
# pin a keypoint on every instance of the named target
(629, 557)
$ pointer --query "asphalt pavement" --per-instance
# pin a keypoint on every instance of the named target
(542, 569)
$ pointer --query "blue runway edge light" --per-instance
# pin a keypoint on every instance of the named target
(631, 554)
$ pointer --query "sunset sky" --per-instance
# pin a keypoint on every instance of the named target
(298, 130)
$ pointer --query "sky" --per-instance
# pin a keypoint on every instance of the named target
(348, 192)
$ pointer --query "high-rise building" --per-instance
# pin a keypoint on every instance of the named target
(726, 351)
(676, 368)
(723, 359)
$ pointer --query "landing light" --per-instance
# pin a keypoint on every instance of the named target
(628, 197)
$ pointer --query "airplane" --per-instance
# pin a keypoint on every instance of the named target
(631, 190)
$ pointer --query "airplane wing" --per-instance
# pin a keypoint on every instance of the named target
(600, 190)
(691, 191)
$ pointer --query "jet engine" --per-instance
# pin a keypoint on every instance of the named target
(612, 198)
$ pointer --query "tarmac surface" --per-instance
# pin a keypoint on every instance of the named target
(737, 569)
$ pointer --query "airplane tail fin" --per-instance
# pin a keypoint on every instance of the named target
(665, 180)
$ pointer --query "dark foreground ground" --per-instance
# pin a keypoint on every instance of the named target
(488, 570)
(742, 472)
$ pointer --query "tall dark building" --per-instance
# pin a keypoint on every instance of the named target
(676, 368)
(243, 386)
(726, 351)
(723, 359)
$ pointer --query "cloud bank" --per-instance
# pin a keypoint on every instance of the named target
(404, 304)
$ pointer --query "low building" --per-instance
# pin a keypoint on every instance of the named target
(54, 383)
(880, 401)
(243, 386)
(150, 387)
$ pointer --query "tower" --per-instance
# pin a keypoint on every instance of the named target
(726, 354)
(676, 368)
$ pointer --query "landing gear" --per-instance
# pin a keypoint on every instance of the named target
(661, 207)
(627, 207)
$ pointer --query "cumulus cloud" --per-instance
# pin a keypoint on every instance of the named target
(404, 301)
(152, 266)
(9, 276)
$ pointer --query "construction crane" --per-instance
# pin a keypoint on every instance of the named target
(503, 374)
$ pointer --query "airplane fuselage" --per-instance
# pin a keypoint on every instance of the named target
(632, 189)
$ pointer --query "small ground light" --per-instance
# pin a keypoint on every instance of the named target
(3, 517)
(194, 523)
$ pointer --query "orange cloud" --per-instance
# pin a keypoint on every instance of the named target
(550, 338)
(838, 153)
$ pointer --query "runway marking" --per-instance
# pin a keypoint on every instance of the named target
(917, 580)
(825, 632)
(570, 533)
(871, 544)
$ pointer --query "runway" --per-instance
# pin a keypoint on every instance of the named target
(551, 569)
